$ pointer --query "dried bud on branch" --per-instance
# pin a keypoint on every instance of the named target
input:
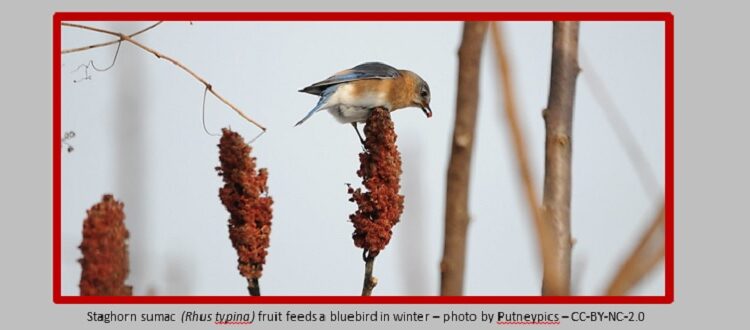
(105, 262)
(245, 195)
(380, 207)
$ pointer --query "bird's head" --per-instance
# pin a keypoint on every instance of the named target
(420, 95)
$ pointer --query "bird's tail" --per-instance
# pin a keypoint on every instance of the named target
(321, 104)
(309, 114)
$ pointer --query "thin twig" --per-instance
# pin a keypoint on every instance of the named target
(203, 114)
(112, 42)
(618, 124)
(208, 86)
(90, 64)
(519, 144)
(558, 119)
(370, 281)
(459, 167)
(643, 259)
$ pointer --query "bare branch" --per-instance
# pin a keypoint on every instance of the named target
(253, 287)
(370, 281)
(459, 168)
(112, 42)
(124, 37)
(643, 259)
(558, 118)
(519, 144)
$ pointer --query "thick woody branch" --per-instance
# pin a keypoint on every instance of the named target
(519, 144)
(124, 37)
(558, 119)
(647, 254)
(459, 168)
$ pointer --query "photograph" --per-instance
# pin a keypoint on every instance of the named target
(408, 156)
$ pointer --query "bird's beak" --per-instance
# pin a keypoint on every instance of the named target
(427, 111)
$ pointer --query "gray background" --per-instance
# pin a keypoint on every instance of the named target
(709, 270)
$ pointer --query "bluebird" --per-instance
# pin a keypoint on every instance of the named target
(351, 94)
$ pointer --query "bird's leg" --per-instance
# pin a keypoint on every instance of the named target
(354, 124)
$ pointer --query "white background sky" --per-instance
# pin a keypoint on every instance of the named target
(139, 136)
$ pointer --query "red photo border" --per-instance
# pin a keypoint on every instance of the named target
(665, 17)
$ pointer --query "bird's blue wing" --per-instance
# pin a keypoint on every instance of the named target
(369, 70)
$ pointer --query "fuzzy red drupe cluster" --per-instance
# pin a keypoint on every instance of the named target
(105, 264)
(380, 206)
(244, 194)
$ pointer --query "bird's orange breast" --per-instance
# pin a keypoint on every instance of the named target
(397, 91)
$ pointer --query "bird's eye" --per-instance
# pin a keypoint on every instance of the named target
(424, 93)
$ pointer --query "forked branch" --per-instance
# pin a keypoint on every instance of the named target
(111, 42)
(208, 86)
